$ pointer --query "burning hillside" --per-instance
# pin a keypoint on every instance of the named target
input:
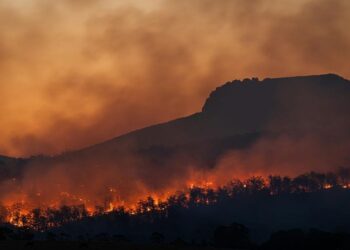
(72, 208)
(283, 126)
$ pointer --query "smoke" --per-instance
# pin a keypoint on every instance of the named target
(73, 73)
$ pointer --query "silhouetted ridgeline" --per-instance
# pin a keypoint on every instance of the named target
(248, 106)
(235, 116)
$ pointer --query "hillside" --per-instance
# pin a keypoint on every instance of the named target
(236, 117)
(244, 107)
(238, 112)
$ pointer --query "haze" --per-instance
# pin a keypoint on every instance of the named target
(74, 73)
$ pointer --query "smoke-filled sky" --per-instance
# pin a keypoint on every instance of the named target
(74, 73)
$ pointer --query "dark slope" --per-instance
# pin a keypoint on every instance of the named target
(235, 115)
(240, 109)
(11, 167)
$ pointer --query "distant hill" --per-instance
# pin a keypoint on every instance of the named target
(245, 107)
(239, 112)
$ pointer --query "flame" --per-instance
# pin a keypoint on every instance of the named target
(22, 210)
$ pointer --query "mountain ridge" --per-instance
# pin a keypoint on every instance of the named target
(234, 116)
(242, 83)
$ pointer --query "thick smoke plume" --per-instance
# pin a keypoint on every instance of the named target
(73, 73)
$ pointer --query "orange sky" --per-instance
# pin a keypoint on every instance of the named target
(73, 73)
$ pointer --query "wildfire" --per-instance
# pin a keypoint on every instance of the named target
(16, 217)
(22, 212)
(201, 184)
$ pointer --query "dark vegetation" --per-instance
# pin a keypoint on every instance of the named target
(255, 213)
